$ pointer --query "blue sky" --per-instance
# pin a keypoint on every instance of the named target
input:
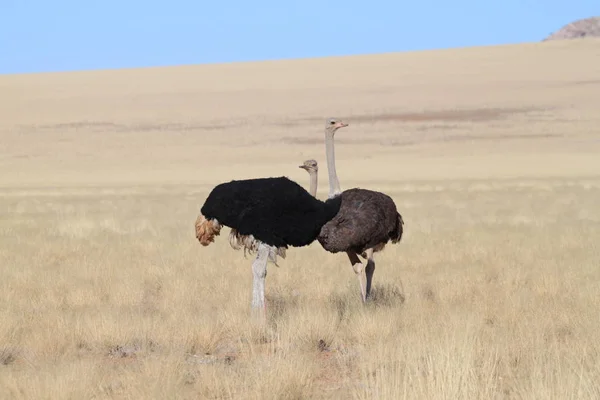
(59, 35)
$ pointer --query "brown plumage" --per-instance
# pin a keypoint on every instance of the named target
(366, 220)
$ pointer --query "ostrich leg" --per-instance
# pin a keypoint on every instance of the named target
(259, 271)
(369, 271)
(357, 266)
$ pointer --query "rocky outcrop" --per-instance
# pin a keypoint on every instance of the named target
(587, 27)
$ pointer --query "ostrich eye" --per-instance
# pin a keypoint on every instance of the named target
(332, 122)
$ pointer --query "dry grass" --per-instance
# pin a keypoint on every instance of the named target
(490, 154)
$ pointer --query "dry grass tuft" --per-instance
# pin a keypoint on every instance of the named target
(388, 295)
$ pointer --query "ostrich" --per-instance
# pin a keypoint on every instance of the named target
(312, 167)
(266, 215)
(366, 222)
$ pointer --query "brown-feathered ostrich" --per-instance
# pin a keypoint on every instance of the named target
(266, 215)
(366, 222)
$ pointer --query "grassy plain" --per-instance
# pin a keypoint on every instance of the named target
(491, 154)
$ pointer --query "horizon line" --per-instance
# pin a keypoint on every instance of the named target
(271, 60)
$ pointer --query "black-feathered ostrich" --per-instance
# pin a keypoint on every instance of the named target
(266, 215)
(366, 222)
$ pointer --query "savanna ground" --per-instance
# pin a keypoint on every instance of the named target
(491, 155)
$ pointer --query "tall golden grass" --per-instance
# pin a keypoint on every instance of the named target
(489, 153)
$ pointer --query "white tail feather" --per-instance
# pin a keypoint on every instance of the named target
(250, 245)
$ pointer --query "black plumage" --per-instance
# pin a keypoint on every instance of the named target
(366, 219)
(276, 211)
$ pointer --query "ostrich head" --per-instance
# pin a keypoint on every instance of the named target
(333, 124)
(310, 166)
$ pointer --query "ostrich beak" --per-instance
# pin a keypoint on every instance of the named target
(302, 166)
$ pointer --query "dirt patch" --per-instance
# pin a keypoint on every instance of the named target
(448, 115)
(495, 137)
(465, 115)
(444, 118)
(94, 126)
(431, 127)
(587, 82)
(319, 141)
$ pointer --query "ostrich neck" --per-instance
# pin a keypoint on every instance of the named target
(334, 183)
(313, 183)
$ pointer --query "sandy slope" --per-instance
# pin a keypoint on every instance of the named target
(507, 111)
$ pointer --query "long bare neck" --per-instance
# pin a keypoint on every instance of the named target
(314, 181)
(334, 183)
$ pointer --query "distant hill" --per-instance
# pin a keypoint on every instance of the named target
(587, 27)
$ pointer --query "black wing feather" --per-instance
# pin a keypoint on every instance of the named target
(276, 211)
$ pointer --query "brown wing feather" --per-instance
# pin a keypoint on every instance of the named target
(366, 219)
